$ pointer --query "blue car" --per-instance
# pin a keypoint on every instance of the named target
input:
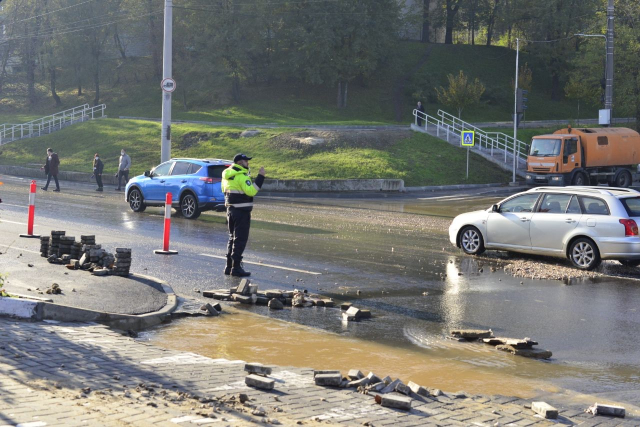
(194, 185)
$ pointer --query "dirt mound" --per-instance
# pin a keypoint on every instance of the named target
(191, 139)
(325, 140)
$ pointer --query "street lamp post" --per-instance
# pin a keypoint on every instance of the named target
(608, 71)
(515, 112)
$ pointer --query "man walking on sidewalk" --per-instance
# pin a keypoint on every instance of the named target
(51, 169)
(238, 198)
(98, 167)
(123, 169)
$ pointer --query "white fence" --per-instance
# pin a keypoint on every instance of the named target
(48, 124)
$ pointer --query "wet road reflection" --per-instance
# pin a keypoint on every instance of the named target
(396, 253)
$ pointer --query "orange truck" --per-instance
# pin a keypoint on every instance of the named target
(584, 156)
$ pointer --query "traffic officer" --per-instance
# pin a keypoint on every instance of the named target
(238, 198)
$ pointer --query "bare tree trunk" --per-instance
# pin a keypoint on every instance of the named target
(425, 21)
(339, 101)
(452, 7)
(491, 21)
(96, 82)
(184, 99)
(54, 94)
(155, 55)
(555, 86)
(118, 42)
(344, 95)
(78, 79)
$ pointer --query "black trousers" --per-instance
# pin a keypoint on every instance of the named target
(55, 177)
(239, 222)
(99, 180)
(124, 174)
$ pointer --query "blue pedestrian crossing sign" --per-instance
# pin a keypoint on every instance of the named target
(468, 138)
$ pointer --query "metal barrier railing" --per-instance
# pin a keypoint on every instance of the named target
(48, 124)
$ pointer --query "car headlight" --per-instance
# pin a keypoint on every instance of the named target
(528, 176)
(556, 178)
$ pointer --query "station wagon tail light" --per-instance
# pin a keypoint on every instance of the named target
(630, 227)
(207, 180)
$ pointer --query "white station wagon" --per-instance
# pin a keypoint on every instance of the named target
(584, 224)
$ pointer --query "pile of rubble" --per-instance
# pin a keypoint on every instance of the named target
(84, 255)
(351, 313)
(275, 299)
(387, 392)
(518, 347)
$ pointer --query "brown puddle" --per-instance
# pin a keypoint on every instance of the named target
(255, 338)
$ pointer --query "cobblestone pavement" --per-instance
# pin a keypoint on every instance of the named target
(87, 374)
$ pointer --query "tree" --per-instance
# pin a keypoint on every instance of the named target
(461, 93)
(525, 77)
(451, 10)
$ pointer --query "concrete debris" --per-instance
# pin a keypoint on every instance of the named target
(275, 304)
(471, 334)
(211, 310)
(243, 287)
(362, 382)
(391, 386)
(526, 352)
(513, 342)
(345, 306)
(54, 290)
(373, 378)
(403, 388)
(329, 379)
(298, 299)
(258, 381)
(394, 401)
(355, 374)
(257, 368)
(544, 410)
(610, 410)
(418, 389)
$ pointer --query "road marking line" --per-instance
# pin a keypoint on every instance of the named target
(17, 206)
(267, 265)
(13, 222)
(22, 250)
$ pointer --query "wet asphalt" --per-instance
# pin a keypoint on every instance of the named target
(390, 255)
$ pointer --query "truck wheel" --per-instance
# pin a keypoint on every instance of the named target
(623, 179)
(580, 179)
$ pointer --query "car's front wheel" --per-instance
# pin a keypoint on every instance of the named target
(629, 262)
(471, 241)
(584, 254)
(189, 206)
(136, 202)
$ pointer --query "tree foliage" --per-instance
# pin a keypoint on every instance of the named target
(460, 93)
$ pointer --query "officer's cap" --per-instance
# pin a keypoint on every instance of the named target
(239, 157)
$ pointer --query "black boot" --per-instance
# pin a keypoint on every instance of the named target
(237, 269)
(227, 269)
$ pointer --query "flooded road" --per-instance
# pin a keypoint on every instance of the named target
(396, 253)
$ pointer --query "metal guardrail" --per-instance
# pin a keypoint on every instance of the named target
(48, 124)
(450, 126)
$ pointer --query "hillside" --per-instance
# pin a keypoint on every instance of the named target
(413, 69)
(417, 158)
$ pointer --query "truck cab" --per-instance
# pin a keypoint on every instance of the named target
(553, 159)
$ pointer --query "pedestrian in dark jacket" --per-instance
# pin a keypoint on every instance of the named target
(98, 166)
(419, 116)
(51, 169)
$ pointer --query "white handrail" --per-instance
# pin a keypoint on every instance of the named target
(51, 123)
(485, 140)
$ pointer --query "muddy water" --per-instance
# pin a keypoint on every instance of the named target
(252, 338)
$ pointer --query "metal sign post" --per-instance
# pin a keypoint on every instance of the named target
(167, 87)
(468, 139)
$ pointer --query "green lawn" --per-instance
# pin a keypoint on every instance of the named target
(371, 100)
(419, 159)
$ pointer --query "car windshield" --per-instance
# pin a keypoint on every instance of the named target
(545, 147)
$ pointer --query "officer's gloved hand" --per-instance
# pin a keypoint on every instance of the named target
(261, 171)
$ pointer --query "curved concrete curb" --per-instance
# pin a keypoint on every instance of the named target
(40, 310)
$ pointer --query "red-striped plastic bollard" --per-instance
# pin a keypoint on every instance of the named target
(167, 228)
(32, 212)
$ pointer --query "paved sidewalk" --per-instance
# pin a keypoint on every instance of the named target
(87, 374)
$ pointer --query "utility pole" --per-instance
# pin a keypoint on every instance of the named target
(608, 91)
(168, 85)
(515, 113)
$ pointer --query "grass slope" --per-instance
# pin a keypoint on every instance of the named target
(419, 159)
(371, 100)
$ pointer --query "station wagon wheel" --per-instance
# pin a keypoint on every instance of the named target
(584, 254)
(471, 241)
(189, 206)
(136, 202)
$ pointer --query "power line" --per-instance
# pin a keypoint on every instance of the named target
(87, 27)
(49, 13)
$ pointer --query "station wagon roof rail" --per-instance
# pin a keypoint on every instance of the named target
(612, 191)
